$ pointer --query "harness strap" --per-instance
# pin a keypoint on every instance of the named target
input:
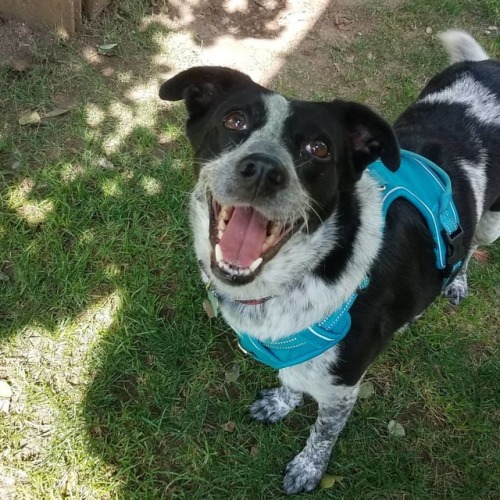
(297, 348)
(428, 188)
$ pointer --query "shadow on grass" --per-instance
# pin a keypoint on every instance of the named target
(96, 253)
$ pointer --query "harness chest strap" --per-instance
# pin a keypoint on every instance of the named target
(428, 188)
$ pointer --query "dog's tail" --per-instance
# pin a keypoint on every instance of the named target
(462, 47)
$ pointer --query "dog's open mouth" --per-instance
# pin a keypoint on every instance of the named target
(243, 240)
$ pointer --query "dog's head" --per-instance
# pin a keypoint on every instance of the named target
(270, 173)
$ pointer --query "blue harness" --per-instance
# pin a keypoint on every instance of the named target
(428, 188)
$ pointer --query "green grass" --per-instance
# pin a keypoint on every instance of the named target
(119, 378)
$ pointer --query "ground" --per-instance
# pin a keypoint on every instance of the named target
(114, 383)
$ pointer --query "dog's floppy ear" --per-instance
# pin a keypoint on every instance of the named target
(370, 136)
(201, 86)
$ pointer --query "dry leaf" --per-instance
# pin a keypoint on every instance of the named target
(366, 390)
(55, 112)
(29, 118)
(349, 59)
(327, 481)
(107, 49)
(233, 373)
(229, 427)
(481, 255)
(344, 23)
(396, 429)
(105, 164)
(207, 305)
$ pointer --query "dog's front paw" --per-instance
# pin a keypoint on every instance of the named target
(302, 474)
(457, 290)
(274, 404)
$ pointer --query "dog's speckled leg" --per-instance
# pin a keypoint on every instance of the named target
(275, 404)
(487, 231)
(457, 290)
(305, 471)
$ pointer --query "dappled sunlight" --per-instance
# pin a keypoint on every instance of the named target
(260, 51)
(70, 172)
(94, 115)
(125, 118)
(151, 186)
(112, 188)
(96, 319)
(33, 212)
(233, 6)
(86, 237)
(111, 271)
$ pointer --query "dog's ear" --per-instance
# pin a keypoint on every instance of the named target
(201, 86)
(369, 135)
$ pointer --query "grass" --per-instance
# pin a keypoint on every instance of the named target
(119, 379)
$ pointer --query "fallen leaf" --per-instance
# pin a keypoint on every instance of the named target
(207, 306)
(55, 112)
(349, 59)
(366, 390)
(327, 481)
(214, 301)
(428, 30)
(29, 118)
(344, 23)
(396, 429)
(105, 164)
(233, 373)
(229, 427)
(107, 49)
(254, 450)
(481, 255)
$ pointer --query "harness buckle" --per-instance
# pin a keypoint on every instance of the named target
(455, 253)
(244, 351)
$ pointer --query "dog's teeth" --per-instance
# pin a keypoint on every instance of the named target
(224, 266)
(221, 225)
(271, 240)
(225, 213)
(218, 253)
(265, 247)
(220, 234)
(276, 229)
(246, 272)
(255, 264)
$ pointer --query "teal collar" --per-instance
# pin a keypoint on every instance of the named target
(428, 188)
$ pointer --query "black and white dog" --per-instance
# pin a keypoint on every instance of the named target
(287, 223)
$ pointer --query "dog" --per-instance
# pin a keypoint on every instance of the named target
(288, 221)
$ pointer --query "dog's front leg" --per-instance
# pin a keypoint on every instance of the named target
(305, 471)
(275, 404)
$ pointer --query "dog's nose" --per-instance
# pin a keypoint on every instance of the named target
(260, 168)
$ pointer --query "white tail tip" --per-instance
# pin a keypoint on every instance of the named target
(462, 47)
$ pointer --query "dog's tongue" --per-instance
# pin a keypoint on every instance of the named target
(243, 237)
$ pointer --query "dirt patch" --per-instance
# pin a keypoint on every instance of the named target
(19, 42)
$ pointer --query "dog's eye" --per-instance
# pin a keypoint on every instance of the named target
(318, 149)
(235, 121)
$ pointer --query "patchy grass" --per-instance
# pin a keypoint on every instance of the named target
(119, 379)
